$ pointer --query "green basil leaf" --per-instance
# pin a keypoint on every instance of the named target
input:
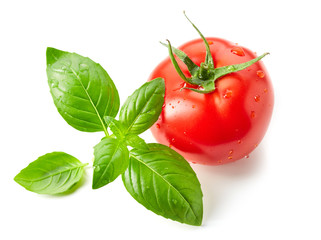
(142, 108)
(111, 160)
(51, 173)
(115, 126)
(135, 141)
(163, 182)
(81, 89)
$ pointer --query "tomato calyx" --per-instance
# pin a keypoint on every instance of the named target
(203, 77)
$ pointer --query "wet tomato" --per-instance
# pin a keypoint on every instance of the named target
(213, 122)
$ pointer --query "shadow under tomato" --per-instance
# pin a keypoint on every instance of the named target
(218, 182)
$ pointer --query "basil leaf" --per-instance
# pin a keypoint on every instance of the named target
(164, 183)
(51, 173)
(135, 141)
(115, 126)
(81, 89)
(142, 108)
(111, 160)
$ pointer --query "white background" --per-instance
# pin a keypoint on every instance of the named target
(275, 194)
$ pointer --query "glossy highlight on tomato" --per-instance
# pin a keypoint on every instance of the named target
(221, 126)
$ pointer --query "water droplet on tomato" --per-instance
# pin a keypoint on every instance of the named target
(227, 93)
(252, 114)
(157, 125)
(260, 74)
(173, 140)
(238, 51)
(257, 98)
(265, 90)
(185, 133)
(193, 106)
(210, 42)
(219, 161)
(239, 141)
(230, 152)
(230, 157)
(247, 156)
(180, 86)
(164, 105)
(178, 101)
(173, 107)
(194, 162)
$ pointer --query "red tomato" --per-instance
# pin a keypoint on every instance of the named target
(224, 125)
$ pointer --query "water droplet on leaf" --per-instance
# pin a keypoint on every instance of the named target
(83, 67)
(54, 84)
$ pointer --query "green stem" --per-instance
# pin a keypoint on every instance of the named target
(222, 71)
(204, 77)
(178, 69)
(208, 58)
(192, 67)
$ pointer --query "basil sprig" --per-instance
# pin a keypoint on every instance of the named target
(155, 175)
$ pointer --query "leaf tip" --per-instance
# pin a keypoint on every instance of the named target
(98, 184)
(16, 178)
(52, 55)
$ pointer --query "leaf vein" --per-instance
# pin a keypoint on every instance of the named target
(168, 183)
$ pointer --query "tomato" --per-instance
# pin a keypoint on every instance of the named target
(224, 125)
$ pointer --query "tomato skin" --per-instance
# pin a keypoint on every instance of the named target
(218, 127)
